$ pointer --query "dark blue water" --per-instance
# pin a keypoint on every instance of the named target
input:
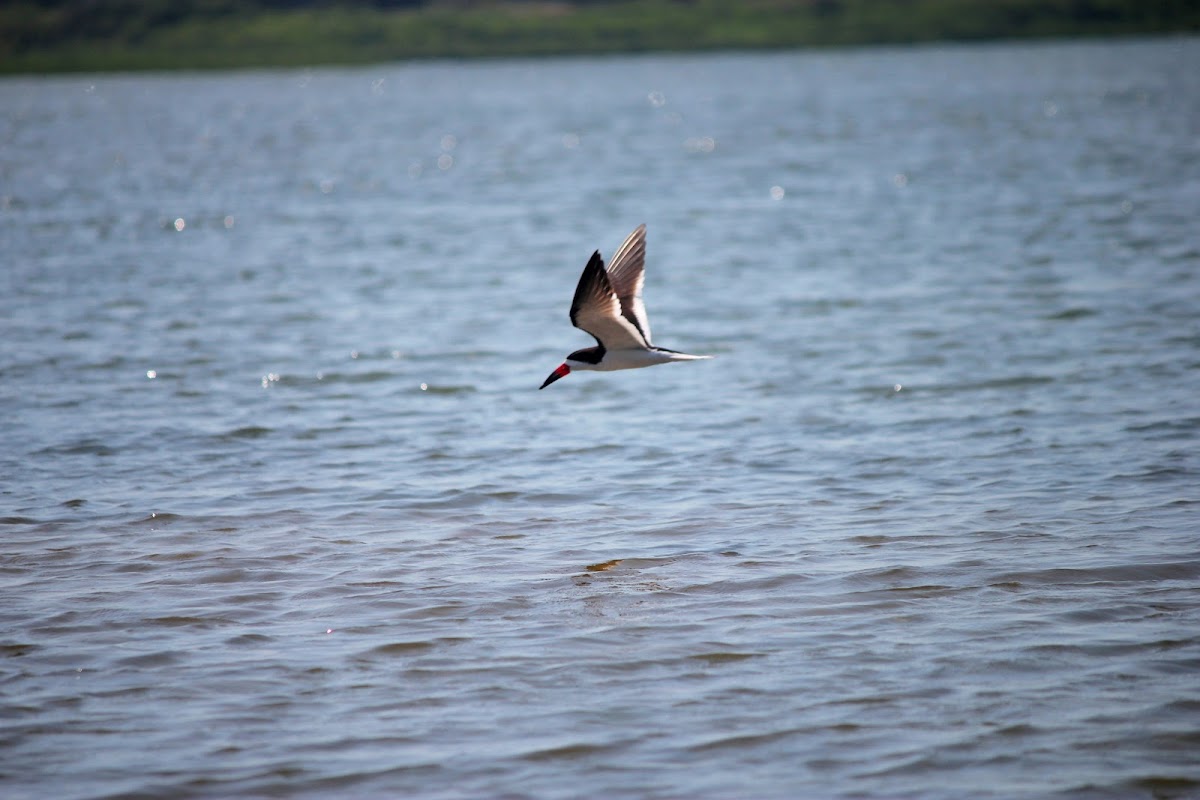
(284, 514)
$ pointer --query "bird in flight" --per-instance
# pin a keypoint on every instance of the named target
(608, 305)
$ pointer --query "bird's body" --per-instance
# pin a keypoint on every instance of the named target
(608, 305)
(627, 359)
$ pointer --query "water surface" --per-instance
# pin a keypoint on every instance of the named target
(284, 514)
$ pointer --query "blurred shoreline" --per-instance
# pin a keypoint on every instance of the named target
(51, 36)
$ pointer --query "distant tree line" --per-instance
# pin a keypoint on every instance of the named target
(30, 23)
(53, 35)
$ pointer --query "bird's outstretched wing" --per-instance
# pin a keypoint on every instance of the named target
(597, 310)
(626, 276)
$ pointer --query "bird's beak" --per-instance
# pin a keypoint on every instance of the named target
(558, 373)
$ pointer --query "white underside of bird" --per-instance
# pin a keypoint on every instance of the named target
(608, 305)
(633, 359)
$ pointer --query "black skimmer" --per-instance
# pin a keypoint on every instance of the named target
(608, 305)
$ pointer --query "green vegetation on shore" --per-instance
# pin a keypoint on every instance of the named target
(77, 35)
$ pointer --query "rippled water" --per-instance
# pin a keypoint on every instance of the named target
(284, 514)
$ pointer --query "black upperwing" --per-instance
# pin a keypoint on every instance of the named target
(597, 310)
